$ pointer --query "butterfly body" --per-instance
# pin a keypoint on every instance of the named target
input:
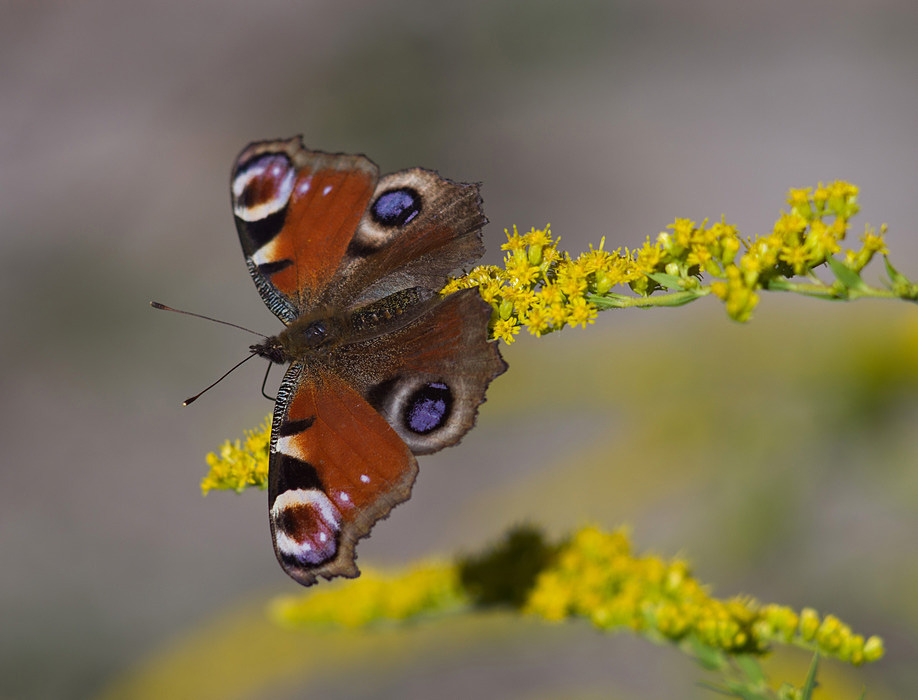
(382, 367)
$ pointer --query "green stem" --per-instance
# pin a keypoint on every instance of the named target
(829, 291)
(621, 301)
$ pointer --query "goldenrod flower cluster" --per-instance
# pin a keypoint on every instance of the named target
(240, 464)
(426, 589)
(543, 289)
(596, 576)
(802, 239)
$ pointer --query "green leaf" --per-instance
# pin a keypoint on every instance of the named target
(678, 298)
(666, 281)
(896, 277)
(620, 301)
(844, 274)
(610, 300)
(810, 685)
(751, 667)
(720, 690)
(707, 656)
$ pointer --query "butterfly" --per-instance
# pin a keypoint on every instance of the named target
(382, 367)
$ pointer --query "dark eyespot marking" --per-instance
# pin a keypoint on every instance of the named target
(428, 408)
(315, 539)
(306, 527)
(396, 207)
(262, 186)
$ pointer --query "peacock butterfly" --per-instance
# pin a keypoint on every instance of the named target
(382, 368)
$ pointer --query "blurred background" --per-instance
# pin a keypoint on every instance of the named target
(778, 456)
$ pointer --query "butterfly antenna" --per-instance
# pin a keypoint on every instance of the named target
(233, 368)
(163, 307)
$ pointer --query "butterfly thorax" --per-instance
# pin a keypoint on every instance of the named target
(305, 337)
(320, 331)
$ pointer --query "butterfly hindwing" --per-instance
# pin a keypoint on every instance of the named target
(345, 434)
(336, 467)
(430, 376)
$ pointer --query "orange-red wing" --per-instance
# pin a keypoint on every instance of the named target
(336, 467)
(296, 211)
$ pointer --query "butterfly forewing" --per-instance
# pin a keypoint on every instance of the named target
(418, 228)
(296, 212)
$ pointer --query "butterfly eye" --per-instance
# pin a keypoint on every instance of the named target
(396, 207)
(262, 186)
(428, 408)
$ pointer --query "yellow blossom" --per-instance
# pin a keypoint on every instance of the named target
(580, 312)
(514, 241)
(506, 328)
(521, 271)
(239, 465)
(673, 269)
(874, 242)
(597, 576)
(538, 318)
(539, 237)
(649, 257)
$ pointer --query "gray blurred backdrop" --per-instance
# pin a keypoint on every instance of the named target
(118, 125)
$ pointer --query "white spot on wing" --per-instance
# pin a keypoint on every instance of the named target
(364, 478)
(303, 187)
(328, 188)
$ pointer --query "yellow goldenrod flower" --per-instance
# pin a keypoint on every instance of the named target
(520, 270)
(505, 328)
(580, 312)
(539, 237)
(595, 575)
(237, 465)
(422, 590)
(874, 242)
(538, 318)
(514, 241)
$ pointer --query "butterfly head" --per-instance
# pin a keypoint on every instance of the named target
(272, 349)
